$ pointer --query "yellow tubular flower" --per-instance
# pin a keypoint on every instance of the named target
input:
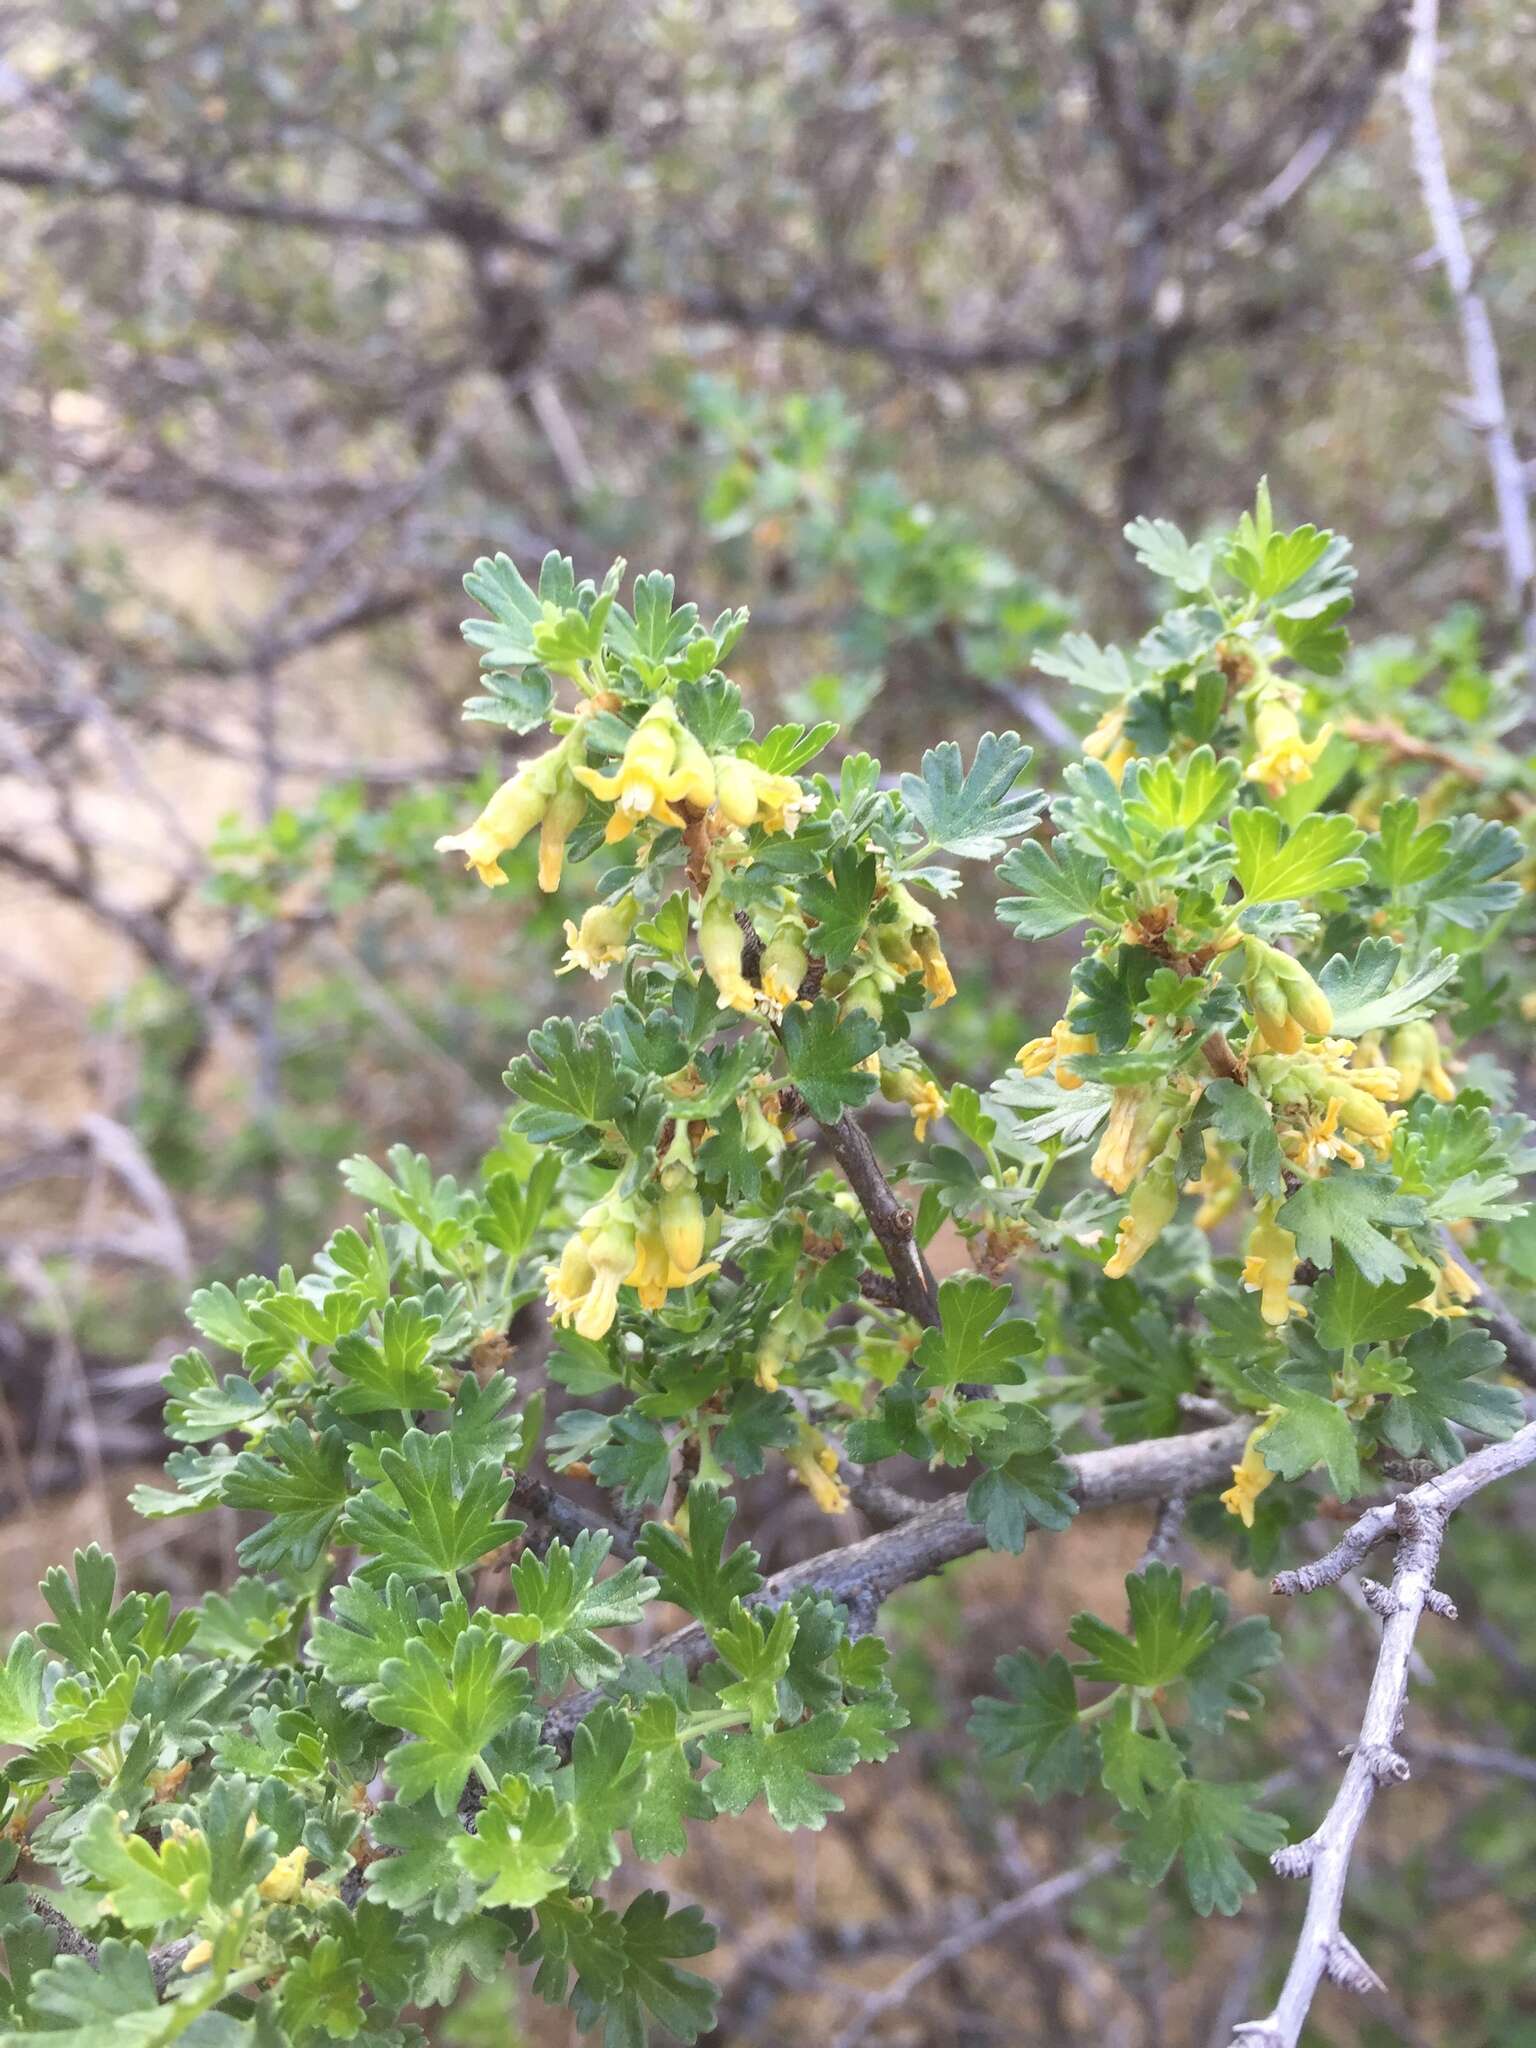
(1219, 1184)
(783, 802)
(770, 1363)
(1269, 1269)
(749, 795)
(1417, 1055)
(918, 1091)
(693, 779)
(1038, 1056)
(601, 939)
(595, 1263)
(1318, 1141)
(937, 979)
(1108, 743)
(285, 1880)
(1154, 1204)
(1374, 1078)
(648, 1275)
(1361, 1112)
(814, 1463)
(1249, 1480)
(1058, 1046)
(508, 818)
(1454, 1288)
(1130, 1137)
(682, 1229)
(1282, 757)
(720, 950)
(648, 777)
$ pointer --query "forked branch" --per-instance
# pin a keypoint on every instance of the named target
(1419, 1520)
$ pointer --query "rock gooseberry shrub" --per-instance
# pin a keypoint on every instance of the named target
(408, 1743)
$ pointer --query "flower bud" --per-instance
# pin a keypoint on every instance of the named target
(1420, 1062)
(1305, 1000)
(785, 963)
(862, 996)
(1272, 1013)
(682, 1226)
(567, 808)
(720, 950)
(736, 789)
(758, 1132)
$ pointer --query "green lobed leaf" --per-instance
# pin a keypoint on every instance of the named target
(973, 812)
(453, 1709)
(1274, 866)
(1352, 1209)
(1166, 1633)
(1059, 886)
(781, 1768)
(1203, 1826)
(429, 1522)
(1445, 1362)
(561, 1605)
(1036, 1726)
(976, 1341)
(824, 1052)
(696, 1574)
(522, 1833)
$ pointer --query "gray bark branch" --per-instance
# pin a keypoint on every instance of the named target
(1419, 1519)
(1489, 412)
(865, 1575)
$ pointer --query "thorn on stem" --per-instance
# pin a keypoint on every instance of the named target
(1384, 1763)
(1295, 1859)
(1347, 1967)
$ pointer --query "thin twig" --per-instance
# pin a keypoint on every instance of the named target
(1028, 1905)
(1488, 411)
(1420, 1519)
(565, 1518)
(891, 1221)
